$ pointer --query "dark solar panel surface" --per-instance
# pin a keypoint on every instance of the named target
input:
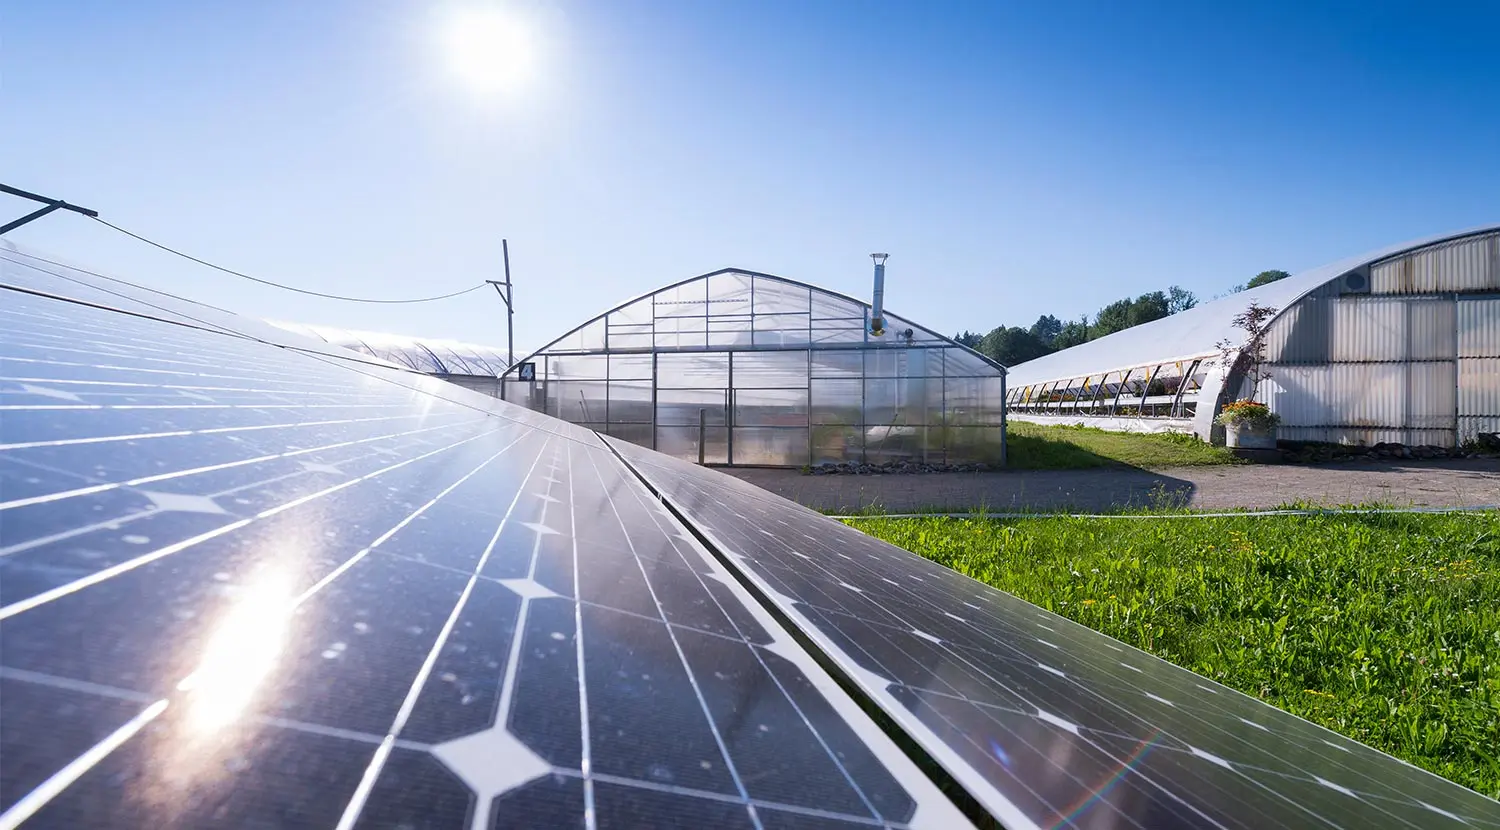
(1046, 722)
(246, 586)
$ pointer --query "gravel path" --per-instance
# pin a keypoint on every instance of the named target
(1463, 483)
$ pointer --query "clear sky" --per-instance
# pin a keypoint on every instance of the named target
(1014, 158)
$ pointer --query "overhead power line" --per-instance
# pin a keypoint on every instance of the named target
(282, 286)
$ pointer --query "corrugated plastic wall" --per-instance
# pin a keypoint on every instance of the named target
(1478, 367)
(1466, 265)
(1366, 368)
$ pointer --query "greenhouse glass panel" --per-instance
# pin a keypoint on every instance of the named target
(828, 331)
(831, 308)
(770, 407)
(640, 312)
(682, 442)
(577, 401)
(680, 407)
(964, 363)
(729, 294)
(586, 339)
(629, 402)
(687, 300)
(776, 297)
(837, 401)
(769, 446)
(833, 444)
(770, 370)
(841, 363)
(692, 370)
(578, 366)
(630, 367)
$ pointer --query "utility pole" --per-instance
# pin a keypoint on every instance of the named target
(510, 310)
(51, 205)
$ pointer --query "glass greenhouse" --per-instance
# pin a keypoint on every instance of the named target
(741, 368)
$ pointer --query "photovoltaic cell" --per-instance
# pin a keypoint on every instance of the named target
(252, 585)
(1046, 722)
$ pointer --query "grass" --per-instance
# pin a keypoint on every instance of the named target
(1044, 447)
(1383, 627)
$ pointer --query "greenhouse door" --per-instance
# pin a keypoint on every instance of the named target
(1478, 367)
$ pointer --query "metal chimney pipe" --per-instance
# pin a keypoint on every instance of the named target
(877, 311)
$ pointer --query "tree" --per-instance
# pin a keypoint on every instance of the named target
(1009, 346)
(1074, 333)
(1180, 299)
(1046, 328)
(1110, 319)
(1266, 278)
(968, 338)
(1148, 307)
(1122, 314)
(1248, 358)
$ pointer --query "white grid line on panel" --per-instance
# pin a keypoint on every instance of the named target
(356, 803)
(31, 602)
(153, 479)
(682, 658)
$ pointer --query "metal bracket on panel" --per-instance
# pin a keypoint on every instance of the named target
(50, 206)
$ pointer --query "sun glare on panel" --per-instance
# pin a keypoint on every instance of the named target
(241, 651)
(488, 48)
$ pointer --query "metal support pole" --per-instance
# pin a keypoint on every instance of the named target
(505, 290)
(702, 432)
(510, 308)
(51, 205)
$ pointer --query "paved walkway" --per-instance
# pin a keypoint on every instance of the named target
(1465, 483)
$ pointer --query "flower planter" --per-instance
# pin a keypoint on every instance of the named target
(1250, 436)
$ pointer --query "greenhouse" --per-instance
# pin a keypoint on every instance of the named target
(1400, 345)
(468, 365)
(741, 368)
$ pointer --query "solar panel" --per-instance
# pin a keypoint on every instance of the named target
(246, 585)
(1047, 723)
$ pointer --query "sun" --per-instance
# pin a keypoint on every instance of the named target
(487, 48)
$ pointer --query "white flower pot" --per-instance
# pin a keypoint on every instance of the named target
(1250, 436)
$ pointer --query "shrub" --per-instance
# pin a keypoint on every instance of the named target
(1248, 414)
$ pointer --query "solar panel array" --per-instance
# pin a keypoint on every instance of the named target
(252, 582)
(1046, 722)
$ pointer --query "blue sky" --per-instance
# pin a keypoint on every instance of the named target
(1014, 158)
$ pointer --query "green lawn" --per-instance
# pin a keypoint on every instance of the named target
(1037, 447)
(1385, 628)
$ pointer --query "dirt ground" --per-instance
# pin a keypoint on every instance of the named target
(1463, 483)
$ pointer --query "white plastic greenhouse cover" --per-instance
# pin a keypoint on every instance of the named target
(1193, 333)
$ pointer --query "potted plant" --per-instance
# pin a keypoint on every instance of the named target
(1248, 424)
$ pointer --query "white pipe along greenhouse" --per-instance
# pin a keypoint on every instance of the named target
(742, 368)
(1399, 345)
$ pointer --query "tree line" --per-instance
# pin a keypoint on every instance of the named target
(1009, 345)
